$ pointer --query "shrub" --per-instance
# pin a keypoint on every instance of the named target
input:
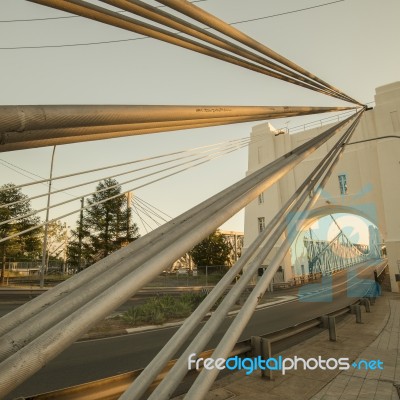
(157, 310)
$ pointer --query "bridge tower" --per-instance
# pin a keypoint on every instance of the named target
(366, 182)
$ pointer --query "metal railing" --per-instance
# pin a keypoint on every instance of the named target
(113, 387)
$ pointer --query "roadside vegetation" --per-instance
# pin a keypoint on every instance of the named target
(161, 309)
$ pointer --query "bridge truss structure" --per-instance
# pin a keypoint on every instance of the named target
(328, 257)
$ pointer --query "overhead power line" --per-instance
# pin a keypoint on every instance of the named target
(197, 157)
(18, 170)
(285, 69)
(191, 164)
(189, 155)
(286, 12)
(142, 37)
(72, 16)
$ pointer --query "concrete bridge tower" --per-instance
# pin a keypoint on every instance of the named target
(365, 182)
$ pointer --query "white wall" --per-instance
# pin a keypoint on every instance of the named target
(372, 170)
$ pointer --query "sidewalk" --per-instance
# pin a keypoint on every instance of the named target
(378, 337)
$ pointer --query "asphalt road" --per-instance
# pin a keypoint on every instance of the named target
(96, 359)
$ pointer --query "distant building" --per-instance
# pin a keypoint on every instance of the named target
(235, 240)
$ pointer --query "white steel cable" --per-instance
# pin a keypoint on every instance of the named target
(112, 197)
(114, 186)
(45, 180)
(108, 177)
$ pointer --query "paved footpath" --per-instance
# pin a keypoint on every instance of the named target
(378, 337)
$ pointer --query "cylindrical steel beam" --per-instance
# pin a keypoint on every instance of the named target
(257, 251)
(206, 378)
(192, 11)
(29, 118)
(197, 224)
(159, 16)
(100, 14)
(24, 127)
(273, 233)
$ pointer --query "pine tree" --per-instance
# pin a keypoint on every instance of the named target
(104, 227)
(27, 245)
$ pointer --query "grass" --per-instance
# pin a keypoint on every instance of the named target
(160, 309)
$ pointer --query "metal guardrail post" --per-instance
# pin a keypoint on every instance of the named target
(365, 302)
(255, 345)
(262, 347)
(356, 309)
(329, 322)
(266, 351)
(372, 300)
(332, 328)
(324, 321)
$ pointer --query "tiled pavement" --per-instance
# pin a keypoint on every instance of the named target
(371, 385)
(377, 338)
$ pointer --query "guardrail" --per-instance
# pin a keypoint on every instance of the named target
(113, 387)
(316, 124)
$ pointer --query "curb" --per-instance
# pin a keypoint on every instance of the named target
(139, 329)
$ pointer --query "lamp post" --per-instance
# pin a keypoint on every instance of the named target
(44, 249)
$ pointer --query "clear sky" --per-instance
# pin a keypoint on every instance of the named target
(352, 44)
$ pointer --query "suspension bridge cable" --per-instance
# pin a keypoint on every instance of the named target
(144, 37)
(145, 212)
(112, 197)
(109, 177)
(313, 123)
(74, 16)
(46, 180)
(153, 209)
(150, 213)
(210, 20)
(15, 168)
(23, 127)
(245, 141)
(140, 217)
(155, 15)
(108, 188)
(104, 15)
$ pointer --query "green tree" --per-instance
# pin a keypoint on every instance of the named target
(212, 251)
(103, 228)
(28, 245)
